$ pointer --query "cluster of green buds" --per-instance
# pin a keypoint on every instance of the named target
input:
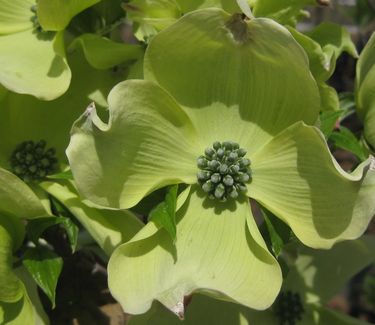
(224, 171)
(32, 161)
(35, 19)
(289, 308)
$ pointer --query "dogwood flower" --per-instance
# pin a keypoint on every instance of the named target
(225, 107)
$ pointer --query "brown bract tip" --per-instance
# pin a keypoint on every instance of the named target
(238, 27)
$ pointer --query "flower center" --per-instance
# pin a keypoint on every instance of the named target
(32, 161)
(224, 171)
(289, 308)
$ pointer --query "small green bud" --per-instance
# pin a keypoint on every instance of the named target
(232, 157)
(228, 180)
(202, 162)
(244, 162)
(215, 178)
(235, 146)
(227, 145)
(241, 187)
(29, 158)
(220, 153)
(217, 145)
(208, 186)
(219, 191)
(223, 169)
(30, 161)
(233, 193)
(234, 169)
(213, 165)
(51, 152)
(44, 162)
(242, 177)
(241, 152)
(209, 152)
(203, 175)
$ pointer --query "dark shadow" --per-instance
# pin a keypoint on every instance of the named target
(57, 67)
(142, 247)
(42, 35)
(321, 194)
(256, 249)
(11, 310)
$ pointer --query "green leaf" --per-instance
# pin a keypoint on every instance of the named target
(278, 232)
(294, 176)
(55, 15)
(285, 12)
(45, 268)
(323, 46)
(329, 97)
(319, 62)
(347, 102)
(217, 251)
(67, 175)
(11, 289)
(151, 16)
(320, 274)
(72, 232)
(334, 40)
(164, 214)
(102, 53)
(108, 228)
(17, 199)
(27, 310)
(35, 228)
(328, 121)
(345, 139)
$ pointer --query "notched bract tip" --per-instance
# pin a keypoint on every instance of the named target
(179, 310)
(90, 109)
(238, 28)
(372, 163)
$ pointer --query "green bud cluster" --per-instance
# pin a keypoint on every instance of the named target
(224, 171)
(32, 161)
(289, 308)
(34, 18)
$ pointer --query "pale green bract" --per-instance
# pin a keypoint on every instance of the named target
(55, 15)
(365, 90)
(323, 46)
(226, 80)
(31, 61)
